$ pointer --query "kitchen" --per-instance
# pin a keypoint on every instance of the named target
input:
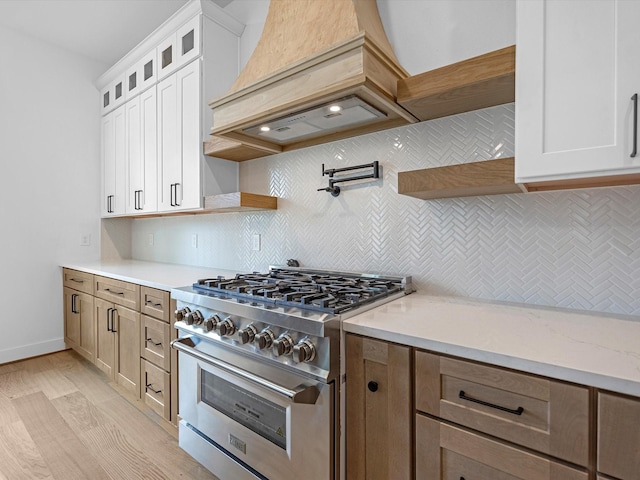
(568, 249)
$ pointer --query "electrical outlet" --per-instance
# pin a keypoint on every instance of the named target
(150, 240)
(194, 240)
(255, 242)
(85, 240)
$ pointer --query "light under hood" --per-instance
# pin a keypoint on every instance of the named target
(322, 70)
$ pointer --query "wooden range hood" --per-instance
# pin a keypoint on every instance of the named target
(311, 55)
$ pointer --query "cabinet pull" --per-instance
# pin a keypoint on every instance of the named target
(634, 98)
(113, 320)
(73, 303)
(109, 319)
(114, 292)
(372, 386)
(176, 190)
(137, 200)
(171, 194)
(76, 280)
(150, 340)
(157, 305)
(517, 411)
(148, 387)
(110, 204)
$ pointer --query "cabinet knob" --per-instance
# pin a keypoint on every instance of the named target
(372, 386)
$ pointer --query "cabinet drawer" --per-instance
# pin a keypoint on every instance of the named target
(155, 303)
(545, 415)
(119, 292)
(81, 281)
(447, 452)
(154, 338)
(155, 386)
(619, 436)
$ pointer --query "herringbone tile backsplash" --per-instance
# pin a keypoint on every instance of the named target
(577, 249)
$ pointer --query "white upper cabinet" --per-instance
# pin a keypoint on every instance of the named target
(114, 162)
(153, 148)
(577, 71)
(141, 194)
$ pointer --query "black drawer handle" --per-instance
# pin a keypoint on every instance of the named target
(372, 386)
(150, 340)
(517, 411)
(634, 99)
(114, 292)
(76, 280)
(157, 305)
(148, 387)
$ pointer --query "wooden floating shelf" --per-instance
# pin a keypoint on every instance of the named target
(232, 150)
(490, 177)
(224, 203)
(479, 82)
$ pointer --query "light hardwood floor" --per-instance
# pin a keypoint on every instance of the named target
(60, 418)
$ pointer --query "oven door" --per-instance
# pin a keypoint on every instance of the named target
(243, 418)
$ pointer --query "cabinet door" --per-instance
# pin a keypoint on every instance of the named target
(179, 140)
(188, 41)
(79, 325)
(155, 388)
(105, 339)
(577, 72)
(379, 410)
(190, 190)
(141, 153)
(114, 149)
(169, 161)
(127, 349)
(619, 436)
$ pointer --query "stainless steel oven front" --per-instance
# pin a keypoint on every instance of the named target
(244, 418)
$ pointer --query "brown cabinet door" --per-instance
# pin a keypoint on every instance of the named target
(155, 303)
(379, 410)
(156, 388)
(79, 325)
(127, 350)
(447, 452)
(619, 436)
(105, 338)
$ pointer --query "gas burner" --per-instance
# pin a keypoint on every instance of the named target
(324, 292)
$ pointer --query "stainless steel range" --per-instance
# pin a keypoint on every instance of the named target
(260, 369)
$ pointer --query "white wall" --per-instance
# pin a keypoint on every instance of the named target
(50, 146)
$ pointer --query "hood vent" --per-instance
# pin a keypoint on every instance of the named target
(322, 71)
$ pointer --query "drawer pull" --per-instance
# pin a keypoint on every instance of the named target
(114, 292)
(372, 386)
(150, 340)
(148, 387)
(517, 411)
(157, 305)
(76, 280)
(634, 98)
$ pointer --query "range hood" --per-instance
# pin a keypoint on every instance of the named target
(322, 70)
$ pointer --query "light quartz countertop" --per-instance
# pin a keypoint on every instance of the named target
(591, 349)
(163, 276)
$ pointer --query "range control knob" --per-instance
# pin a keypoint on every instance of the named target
(264, 339)
(247, 334)
(226, 328)
(304, 351)
(194, 318)
(283, 345)
(180, 313)
(211, 323)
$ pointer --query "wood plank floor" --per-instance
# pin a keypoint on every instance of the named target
(61, 418)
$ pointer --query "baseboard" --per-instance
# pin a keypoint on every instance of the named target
(31, 350)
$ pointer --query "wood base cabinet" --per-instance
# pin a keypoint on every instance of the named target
(619, 436)
(379, 414)
(447, 452)
(79, 320)
(118, 352)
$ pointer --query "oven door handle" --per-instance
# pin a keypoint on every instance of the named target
(305, 394)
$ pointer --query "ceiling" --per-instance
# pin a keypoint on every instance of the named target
(105, 30)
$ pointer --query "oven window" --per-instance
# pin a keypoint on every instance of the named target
(254, 412)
